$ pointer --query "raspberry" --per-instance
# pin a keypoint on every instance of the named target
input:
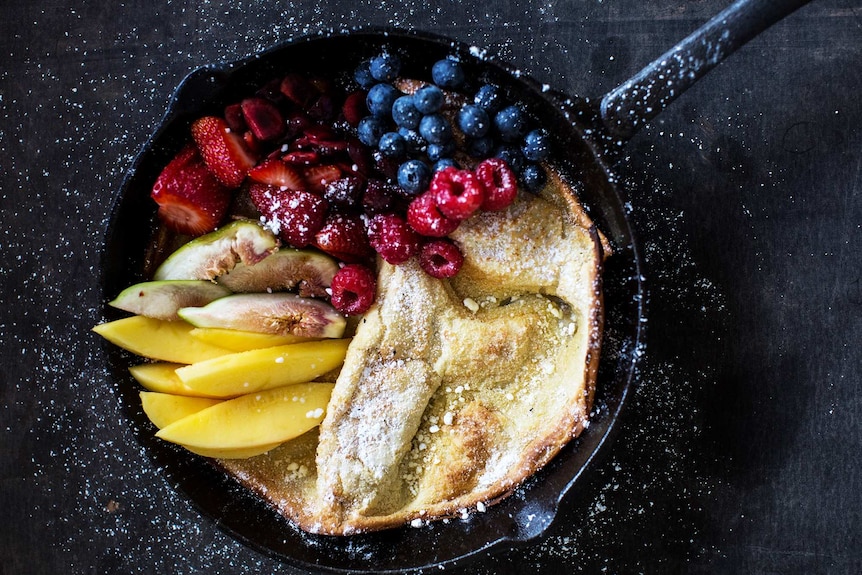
(441, 258)
(353, 289)
(295, 215)
(393, 238)
(459, 193)
(425, 217)
(500, 182)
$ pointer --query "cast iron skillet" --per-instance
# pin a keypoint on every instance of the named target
(587, 136)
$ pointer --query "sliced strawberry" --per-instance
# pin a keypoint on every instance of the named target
(299, 90)
(277, 173)
(301, 157)
(191, 201)
(225, 153)
(234, 118)
(317, 177)
(344, 237)
(354, 108)
(263, 118)
(295, 215)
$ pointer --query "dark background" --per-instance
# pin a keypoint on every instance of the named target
(740, 452)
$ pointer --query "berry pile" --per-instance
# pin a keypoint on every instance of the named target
(417, 132)
(358, 169)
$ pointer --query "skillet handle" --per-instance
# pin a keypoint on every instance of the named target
(626, 108)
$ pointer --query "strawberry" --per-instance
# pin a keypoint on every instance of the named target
(225, 153)
(301, 157)
(295, 215)
(277, 173)
(354, 108)
(263, 118)
(191, 201)
(317, 177)
(344, 237)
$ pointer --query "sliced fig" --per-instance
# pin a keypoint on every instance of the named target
(216, 253)
(162, 299)
(308, 271)
(274, 313)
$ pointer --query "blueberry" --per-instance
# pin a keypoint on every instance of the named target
(444, 163)
(480, 147)
(537, 145)
(439, 151)
(489, 98)
(428, 99)
(533, 177)
(405, 113)
(511, 123)
(380, 99)
(473, 121)
(363, 76)
(435, 129)
(369, 130)
(447, 74)
(415, 143)
(512, 156)
(385, 67)
(413, 177)
(392, 145)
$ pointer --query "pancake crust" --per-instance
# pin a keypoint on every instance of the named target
(453, 391)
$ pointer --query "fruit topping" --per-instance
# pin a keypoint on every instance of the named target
(276, 172)
(458, 193)
(162, 299)
(448, 74)
(414, 176)
(393, 238)
(511, 123)
(225, 153)
(499, 182)
(473, 121)
(405, 114)
(425, 217)
(345, 193)
(299, 90)
(245, 372)
(263, 118)
(274, 313)
(295, 215)
(428, 99)
(191, 201)
(216, 253)
(441, 258)
(385, 67)
(353, 289)
(380, 99)
(317, 177)
(354, 108)
(343, 236)
(307, 271)
(533, 177)
(489, 98)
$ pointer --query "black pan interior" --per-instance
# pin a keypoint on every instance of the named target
(518, 519)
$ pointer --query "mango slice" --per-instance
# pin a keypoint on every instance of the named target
(238, 453)
(164, 409)
(255, 419)
(260, 369)
(238, 340)
(162, 378)
(158, 339)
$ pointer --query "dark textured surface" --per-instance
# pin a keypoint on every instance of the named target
(740, 452)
